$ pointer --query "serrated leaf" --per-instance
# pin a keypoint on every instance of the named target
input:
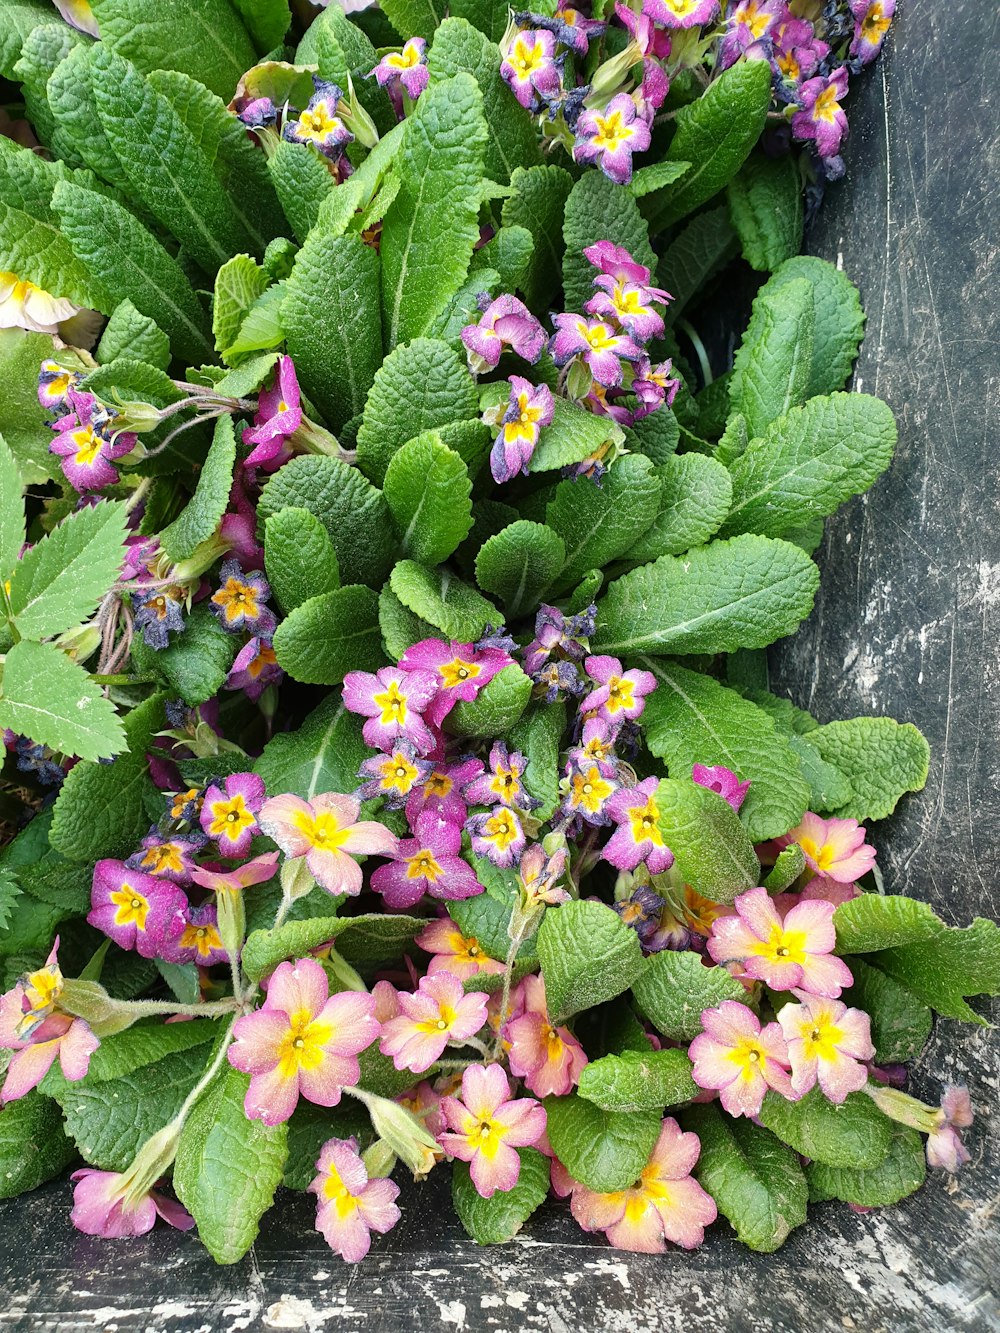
(50, 699)
(414, 18)
(238, 285)
(33, 1144)
(266, 21)
(773, 365)
(197, 661)
(902, 1172)
(787, 868)
(538, 203)
(698, 251)
(638, 1081)
(711, 848)
(203, 512)
(19, 17)
(122, 255)
(436, 595)
(374, 934)
(329, 635)
(261, 329)
(604, 1150)
(839, 319)
(495, 709)
(430, 230)
(323, 754)
(228, 1167)
(695, 497)
(901, 1023)
(754, 1179)
(421, 386)
(519, 563)
(496, 1220)
(10, 891)
(742, 593)
(12, 530)
(135, 336)
(854, 1134)
(599, 210)
(765, 204)
(692, 719)
(588, 955)
(429, 494)
(351, 509)
(674, 988)
(880, 758)
(71, 101)
(299, 558)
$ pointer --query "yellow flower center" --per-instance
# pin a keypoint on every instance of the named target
(322, 830)
(318, 123)
(162, 859)
(438, 784)
(824, 855)
(393, 705)
(782, 946)
(750, 1056)
(826, 106)
(458, 672)
(132, 907)
(875, 25)
(612, 132)
(757, 20)
(500, 829)
(590, 790)
(303, 1043)
(621, 694)
(820, 1038)
(423, 866)
(230, 818)
(88, 446)
(335, 1189)
(398, 772)
(645, 823)
(237, 599)
(526, 57)
(202, 938)
(434, 1026)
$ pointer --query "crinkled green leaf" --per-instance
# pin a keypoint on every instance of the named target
(329, 635)
(238, 285)
(638, 1081)
(311, 1126)
(11, 512)
(302, 181)
(839, 319)
(247, 378)
(508, 253)
(134, 336)
(599, 210)
(265, 949)
(695, 497)
(773, 364)
(414, 18)
(489, 16)
(829, 788)
(901, 1172)
(674, 987)
(266, 21)
(881, 759)
(19, 17)
(299, 558)
(70, 96)
(711, 848)
(124, 1053)
(34, 1146)
(203, 512)
(790, 863)
(50, 699)
(538, 203)
(604, 1150)
(496, 708)
(519, 563)
(538, 734)
(765, 204)
(323, 754)
(901, 1023)
(400, 627)
(588, 956)
(44, 49)
(496, 1220)
(197, 661)
(854, 1134)
(438, 596)
(40, 252)
(429, 494)
(655, 176)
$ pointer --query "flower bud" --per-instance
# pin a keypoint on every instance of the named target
(296, 879)
(402, 1132)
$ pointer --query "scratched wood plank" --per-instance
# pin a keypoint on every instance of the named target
(907, 623)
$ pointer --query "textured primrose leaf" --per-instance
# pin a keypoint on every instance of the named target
(19, 18)
(755, 1180)
(742, 593)
(333, 22)
(376, 933)
(239, 283)
(415, 18)
(266, 21)
(901, 1023)
(437, 596)
(486, 919)
(12, 528)
(881, 759)
(715, 134)
(122, 255)
(638, 1081)
(695, 497)
(698, 251)
(496, 1220)
(400, 627)
(508, 253)
(674, 987)
(604, 1150)
(302, 182)
(34, 1147)
(329, 635)
(126, 1052)
(101, 808)
(692, 719)
(520, 562)
(655, 176)
(203, 512)
(773, 366)
(902, 1172)
(571, 436)
(44, 49)
(538, 735)
(71, 101)
(839, 319)
(429, 494)
(421, 386)
(27, 180)
(135, 336)
(765, 204)
(538, 204)
(489, 16)
(495, 709)
(228, 1167)
(829, 788)
(196, 662)
(711, 847)
(431, 227)
(789, 865)
(299, 558)
(599, 210)
(39, 252)
(854, 1134)
(323, 754)
(588, 956)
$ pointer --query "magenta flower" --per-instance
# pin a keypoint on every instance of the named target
(167, 858)
(721, 780)
(872, 19)
(393, 700)
(945, 1149)
(393, 776)
(794, 954)
(486, 1127)
(278, 416)
(350, 1205)
(303, 1041)
(747, 21)
(437, 1013)
(597, 747)
(620, 694)
(497, 835)
(822, 118)
(529, 67)
(796, 51)
(638, 838)
(441, 791)
(631, 304)
(403, 71)
(240, 602)
(258, 871)
(682, 13)
(615, 262)
(255, 668)
(320, 125)
(228, 813)
(54, 384)
(602, 347)
(653, 386)
(529, 408)
(462, 670)
(610, 137)
(87, 444)
(505, 322)
(458, 955)
(134, 909)
(665, 1203)
(735, 1055)
(104, 1205)
(427, 863)
(548, 1058)
(327, 833)
(828, 1044)
(33, 1027)
(503, 782)
(833, 847)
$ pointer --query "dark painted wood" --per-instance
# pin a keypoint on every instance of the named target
(907, 623)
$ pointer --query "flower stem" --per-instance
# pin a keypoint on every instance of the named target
(699, 347)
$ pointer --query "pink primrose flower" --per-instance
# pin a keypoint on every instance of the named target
(104, 1204)
(430, 862)
(791, 954)
(828, 1044)
(350, 1205)
(393, 700)
(833, 847)
(438, 1013)
(638, 837)
(459, 955)
(136, 910)
(486, 1127)
(547, 1057)
(462, 670)
(735, 1055)
(229, 813)
(327, 833)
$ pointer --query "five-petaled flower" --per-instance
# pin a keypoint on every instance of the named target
(505, 322)
(228, 813)
(746, 23)
(529, 67)
(87, 443)
(638, 836)
(454, 952)
(320, 124)
(199, 942)
(393, 775)
(620, 694)
(350, 1205)
(34, 1028)
(602, 346)
(430, 862)
(547, 1057)
(835, 848)
(327, 833)
(254, 668)
(587, 794)
(827, 1044)
(436, 1013)
(165, 857)
(403, 71)
(240, 601)
(503, 782)
(497, 835)
(136, 910)
(393, 700)
(821, 117)
(486, 1127)
(872, 19)
(741, 1059)
(791, 954)
(302, 1042)
(610, 137)
(462, 670)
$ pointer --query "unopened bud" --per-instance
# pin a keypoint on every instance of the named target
(402, 1131)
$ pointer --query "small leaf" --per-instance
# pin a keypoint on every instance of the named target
(695, 497)
(588, 956)
(854, 1134)
(329, 635)
(495, 709)
(299, 558)
(203, 512)
(604, 1150)
(429, 494)
(519, 563)
(675, 987)
(787, 868)
(538, 734)
(34, 1146)
(711, 848)
(238, 284)
(437, 596)
(880, 758)
(638, 1081)
(53, 701)
(839, 322)
(496, 1220)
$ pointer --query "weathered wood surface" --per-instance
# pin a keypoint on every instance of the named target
(907, 623)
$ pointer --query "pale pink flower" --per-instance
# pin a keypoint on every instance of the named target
(827, 1044)
(104, 1205)
(794, 954)
(350, 1205)
(487, 1127)
(735, 1055)
(327, 833)
(548, 1058)
(437, 1013)
(461, 955)
(833, 847)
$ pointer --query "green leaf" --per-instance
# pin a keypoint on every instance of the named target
(419, 387)
(40, 253)
(50, 699)
(134, 336)
(310, 1127)
(496, 1220)
(203, 38)
(12, 530)
(756, 1181)
(839, 319)
(854, 1134)
(571, 436)
(588, 956)
(400, 627)
(351, 509)
(414, 18)
(828, 787)
(519, 563)
(302, 181)
(901, 1023)
(431, 227)
(228, 1167)
(323, 754)
(901, 1172)
(125, 1053)
(638, 1081)
(538, 734)
(655, 176)
(266, 21)
(675, 987)
(495, 709)
(489, 16)
(538, 204)
(299, 558)
(436, 595)
(123, 256)
(331, 318)
(765, 204)
(10, 891)
(247, 378)
(695, 497)
(508, 252)
(773, 365)
(372, 935)
(333, 22)
(604, 1150)
(203, 512)
(742, 593)
(711, 847)
(716, 133)
(238, 285)
(698, 251)
(33, 1143)
(692, 719)
(329, 635)
(19, 17)
(44, 48)
(787, 868)
(429, 494)
(70, 96)
(880, 758)
(262, 329)
(599, 210)
(196, 663)
(512, 142)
